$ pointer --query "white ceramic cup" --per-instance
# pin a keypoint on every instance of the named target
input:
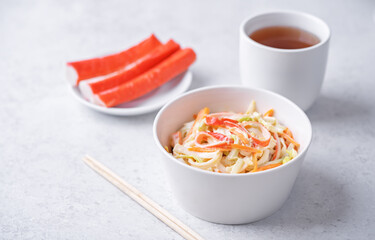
(230, 198)
(294, 73)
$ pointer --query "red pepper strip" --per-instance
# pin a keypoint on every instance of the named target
(229, 120)
(202, 136)
(176, 138)
(266, 134)
(213, 121)
(202, 113)
(224, 122)
(277, 151)
(220, 136)
(220, 114)
(234, 123)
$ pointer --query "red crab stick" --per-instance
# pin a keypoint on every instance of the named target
(81, 70)
(91, 87)
(148, 81)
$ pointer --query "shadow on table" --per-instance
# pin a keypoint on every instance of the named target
(317, 199)
(329, 109)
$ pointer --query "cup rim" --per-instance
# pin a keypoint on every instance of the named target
(299, 13)
(299, 157)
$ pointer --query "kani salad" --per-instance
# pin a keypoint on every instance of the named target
(228, 142)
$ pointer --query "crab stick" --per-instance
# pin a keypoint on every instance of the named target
(175, 64)
(89, 88)
(90, 68)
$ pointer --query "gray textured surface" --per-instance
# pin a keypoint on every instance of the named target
(46, 192)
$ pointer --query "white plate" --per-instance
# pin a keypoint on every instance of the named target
(147, 103)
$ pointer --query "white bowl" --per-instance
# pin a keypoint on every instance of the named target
(230, 198)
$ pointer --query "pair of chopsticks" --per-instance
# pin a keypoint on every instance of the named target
(143, 200)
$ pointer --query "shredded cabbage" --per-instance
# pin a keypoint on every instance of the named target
(235, 143)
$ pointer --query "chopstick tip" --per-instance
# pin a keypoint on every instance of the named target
(86, 158)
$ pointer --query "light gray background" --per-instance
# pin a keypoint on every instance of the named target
(46, 192)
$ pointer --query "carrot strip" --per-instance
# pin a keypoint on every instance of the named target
(277, 150)
(288, 138)
(255, 163)
(270, 166)
(287, 131)
(166, 148)
(243, 139)
(246, 148)
(85, 69)
(200, 149)
(175, 64)
(202, 114)
(269, 113)
(91, 87)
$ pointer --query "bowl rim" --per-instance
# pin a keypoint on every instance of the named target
(299, 157)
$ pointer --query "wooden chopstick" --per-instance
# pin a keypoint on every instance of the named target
(143, 200)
